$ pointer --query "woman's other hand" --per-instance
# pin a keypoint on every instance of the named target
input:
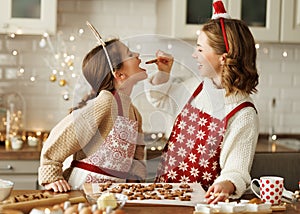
(219, 192)
(58, 186)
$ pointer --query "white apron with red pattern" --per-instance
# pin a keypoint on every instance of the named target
(193, 150)
(113, 160)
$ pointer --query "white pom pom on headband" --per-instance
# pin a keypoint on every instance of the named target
(219, 10)
(221, 14)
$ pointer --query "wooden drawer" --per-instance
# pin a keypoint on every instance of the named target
(23, 181)
(19, 167)
(152, 168)
(281, 164)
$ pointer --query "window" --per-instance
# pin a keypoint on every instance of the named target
(198, 12)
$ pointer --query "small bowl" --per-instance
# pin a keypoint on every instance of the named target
(32, 141)
(5, 189)
(121, 199)
(16, 144)
(92, 198)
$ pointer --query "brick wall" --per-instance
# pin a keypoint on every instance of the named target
(278, 66)
(134, 21)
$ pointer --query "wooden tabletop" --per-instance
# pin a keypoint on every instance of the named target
(166, 209)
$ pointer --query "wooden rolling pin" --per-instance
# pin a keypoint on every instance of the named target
(76, 200)
(27, 206)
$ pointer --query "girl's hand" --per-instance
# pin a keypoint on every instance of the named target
(219, 192)
(58, 186)
(164, 61)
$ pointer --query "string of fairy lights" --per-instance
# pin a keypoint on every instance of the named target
(61, 60)
(61, 57)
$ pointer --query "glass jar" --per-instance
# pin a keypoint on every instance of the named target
(12, 113)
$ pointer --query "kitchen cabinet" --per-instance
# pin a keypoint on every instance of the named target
(284, 164)
(152, 166)
(280, 23)
(24, 173)
(267, 28)
(269, 20)
(188, 15)
(32, 17)
(270, 158)
(290, 21)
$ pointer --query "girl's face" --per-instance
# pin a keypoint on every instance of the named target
(209, 63)
(131, 67)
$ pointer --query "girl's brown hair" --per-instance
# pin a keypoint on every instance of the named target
(96, 70)
(240, 72)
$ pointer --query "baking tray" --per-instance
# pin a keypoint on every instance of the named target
(197, 196)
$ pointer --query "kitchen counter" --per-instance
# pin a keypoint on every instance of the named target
(33, 153)
(270, 158)
(166, 209)
(25, 153)
(263, 146)
(129, 208)
(275, 146)
(281, 160)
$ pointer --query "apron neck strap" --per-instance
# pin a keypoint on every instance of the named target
(119, 103)
(236, 109)
(196, 92)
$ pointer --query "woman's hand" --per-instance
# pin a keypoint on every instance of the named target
(164, 61)
(58, 186)
(219, 192)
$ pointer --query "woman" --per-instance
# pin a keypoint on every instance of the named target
(214, 136)
(104, 135)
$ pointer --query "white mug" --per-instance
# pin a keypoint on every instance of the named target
(270, 188)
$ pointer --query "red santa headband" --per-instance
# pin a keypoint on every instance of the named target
(220, 13)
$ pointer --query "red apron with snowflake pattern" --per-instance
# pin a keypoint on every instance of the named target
(193, 150)
(114, 157)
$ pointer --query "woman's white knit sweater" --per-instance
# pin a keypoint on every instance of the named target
(242, 130)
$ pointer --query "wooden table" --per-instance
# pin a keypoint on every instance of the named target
(166, 209)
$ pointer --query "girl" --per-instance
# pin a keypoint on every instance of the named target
(104, 135)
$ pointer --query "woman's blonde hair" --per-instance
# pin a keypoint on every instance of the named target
(240, 72)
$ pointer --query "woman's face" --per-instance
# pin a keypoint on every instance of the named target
(209, 63)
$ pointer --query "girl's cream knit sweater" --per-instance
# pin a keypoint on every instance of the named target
(80, 133)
